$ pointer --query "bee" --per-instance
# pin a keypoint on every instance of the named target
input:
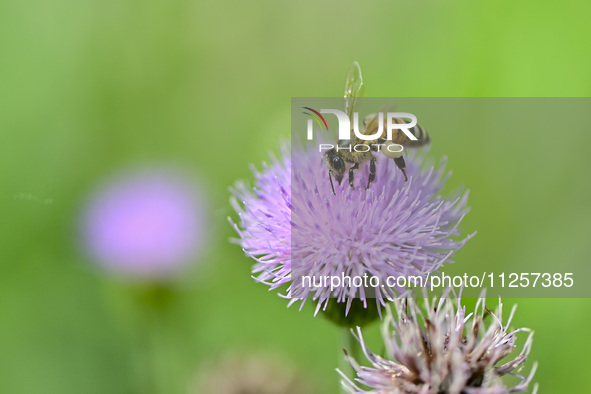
(350, 152)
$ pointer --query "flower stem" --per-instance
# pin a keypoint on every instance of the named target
(152, 307)
(350, 346)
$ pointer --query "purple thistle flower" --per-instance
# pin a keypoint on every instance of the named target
(149, 224)
(442, 350)
(293, 225)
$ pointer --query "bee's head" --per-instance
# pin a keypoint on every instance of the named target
(335, 164)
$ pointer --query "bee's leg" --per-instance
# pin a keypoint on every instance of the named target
(351, 175)
(372, 171)
(331, 185)
(400, 163)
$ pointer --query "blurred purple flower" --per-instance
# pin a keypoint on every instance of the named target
(291, 224)
(441, 351)
(148, 224)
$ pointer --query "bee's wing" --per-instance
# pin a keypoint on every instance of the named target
(354, 89)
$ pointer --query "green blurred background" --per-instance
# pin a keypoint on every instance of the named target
(90, 88)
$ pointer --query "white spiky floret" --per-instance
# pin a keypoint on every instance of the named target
(433, 347)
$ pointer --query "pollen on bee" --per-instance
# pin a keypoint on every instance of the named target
(392, 150)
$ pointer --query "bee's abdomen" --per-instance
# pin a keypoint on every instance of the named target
(399, 137)
(421, 134)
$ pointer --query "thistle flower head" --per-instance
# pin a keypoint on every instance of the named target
(440, 349)
(293, 225)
